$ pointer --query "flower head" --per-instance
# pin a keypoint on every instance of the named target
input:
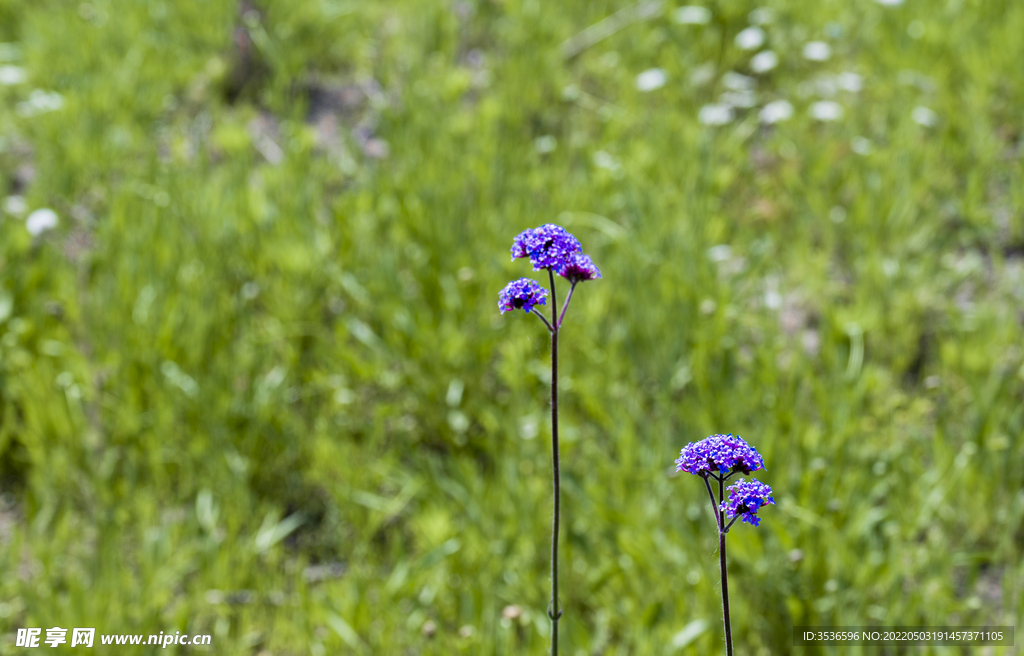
(41, 220)
(721, 453)
(745, 497)
(521, 294)
(547, 246)
(578, 267)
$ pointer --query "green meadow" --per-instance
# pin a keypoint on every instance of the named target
(254, 382)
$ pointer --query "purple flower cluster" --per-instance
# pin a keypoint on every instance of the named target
(745, 498)
(548, 246)
(721, 454)
(578, 267)
(521, 294)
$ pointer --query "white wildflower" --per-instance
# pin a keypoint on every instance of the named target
(776, 111)
(10, 75)
(720, 253)
(850, 82)
(762, 16)
(738, 82)
(691, 15)
(545, 144)
(763, 62)
(40, 102)
(715, 114)
(15, 205)
(40, 221)
(826, 110)
(860, 145)
(751, 38)
(651, 79)
(817, 51)
(924, 116)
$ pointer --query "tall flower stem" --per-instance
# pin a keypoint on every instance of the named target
(554, 612)
(722, 530)
(725, 577)
(721, 457)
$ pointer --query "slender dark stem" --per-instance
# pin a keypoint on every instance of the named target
(725, 577)
(546, 322)
(729, 525)
(714, 506)
(555, 612)
(566, 306)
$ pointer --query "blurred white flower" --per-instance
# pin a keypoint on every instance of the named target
(738, 82)
(39, 102)
(924, 116)
(750, 38)
(744, 99)
(715, 114)
(545, 144)
(860, 145)
(817, 51)
(826, 110)
(607, 161)
(890, 3)
(762, 16)
(775, 111)
(702, 74)
(15, 205)
(12, 75)
(850, 82)
(691, 15)
(763, 62)
(40, 221)
(720, 253)
(651, 79)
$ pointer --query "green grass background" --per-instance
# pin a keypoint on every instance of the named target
(255, 346)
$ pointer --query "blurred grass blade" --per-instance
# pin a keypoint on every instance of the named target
(439, 553)
(690, 632)
(603, 29)
(272, 531)
(345, 631)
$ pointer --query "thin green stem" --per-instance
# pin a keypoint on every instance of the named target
(554, 612)
(725, 577)
(542, 318)
(566, 306)
(714, 506)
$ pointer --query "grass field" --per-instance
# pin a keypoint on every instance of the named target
(254, 382)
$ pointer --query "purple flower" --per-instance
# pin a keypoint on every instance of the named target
(745, 497)
(721, 453)
(547, 246)
(578, 267)
(520, 244)
(521, 294)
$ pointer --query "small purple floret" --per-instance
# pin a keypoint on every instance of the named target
(548, 246)
(578, 267)
(745, 498)
(520, 244)
(721, 454)
(521, 294)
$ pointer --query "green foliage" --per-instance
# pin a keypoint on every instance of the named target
(255, 383)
